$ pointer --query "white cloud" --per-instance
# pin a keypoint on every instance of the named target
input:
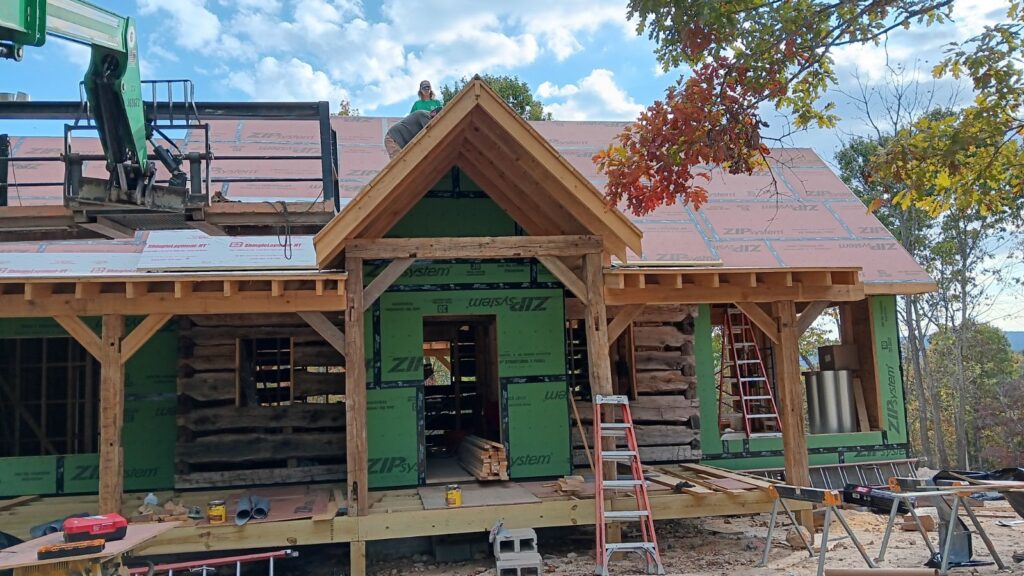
(77, 54)
(194, 26)
(595, 97)
(291, 80)
(380, 57)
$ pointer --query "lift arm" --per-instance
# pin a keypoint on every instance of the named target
(112, 83)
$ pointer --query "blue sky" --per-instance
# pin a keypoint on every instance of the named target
(582, 58)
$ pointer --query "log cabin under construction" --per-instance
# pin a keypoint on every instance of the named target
(477, 284)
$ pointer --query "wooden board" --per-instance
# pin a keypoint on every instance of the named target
(477, 494)
(730, 484)
(24, 555)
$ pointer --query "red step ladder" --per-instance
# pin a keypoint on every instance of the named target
(744, 374)
(647, 547)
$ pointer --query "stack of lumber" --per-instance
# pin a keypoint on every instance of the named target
(666, 409)
(484, 459)
(223, 444)
(699, 480)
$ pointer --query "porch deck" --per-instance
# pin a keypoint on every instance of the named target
(402, 514)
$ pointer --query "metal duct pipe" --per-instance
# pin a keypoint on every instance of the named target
(244, 512)
(260, 507)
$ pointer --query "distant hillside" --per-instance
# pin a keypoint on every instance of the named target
(1016, 341)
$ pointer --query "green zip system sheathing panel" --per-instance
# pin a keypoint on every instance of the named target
(149, 421)
(756, 453)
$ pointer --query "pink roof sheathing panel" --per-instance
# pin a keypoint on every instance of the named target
(811, 220)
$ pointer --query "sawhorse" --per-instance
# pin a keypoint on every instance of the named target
(830, 500)
(937, 496)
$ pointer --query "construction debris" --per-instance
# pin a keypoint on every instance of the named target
(484, 459)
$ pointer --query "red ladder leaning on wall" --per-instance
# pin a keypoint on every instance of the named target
(741, 355)
(647, 547)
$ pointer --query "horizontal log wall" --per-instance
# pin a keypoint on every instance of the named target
(221, 443)
(666, 408)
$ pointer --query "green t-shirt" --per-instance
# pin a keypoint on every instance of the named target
(425, 105)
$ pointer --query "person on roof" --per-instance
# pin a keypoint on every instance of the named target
(406, 129)
(428, 101)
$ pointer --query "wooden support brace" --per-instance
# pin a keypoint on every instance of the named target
(791, 400)
(74, 326)
(565, 276)
(809, 315)
(384, 280)
(141, 334)
(761, 319)
(622, 321)
(37, 291)
(326, 329)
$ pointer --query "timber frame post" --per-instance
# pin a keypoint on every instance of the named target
(791, 398)
(598, 357)
(355, 390)
(112, 349)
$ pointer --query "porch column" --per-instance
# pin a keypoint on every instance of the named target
(355, 390)
(111, 414)
(791, 398)
(599, 362)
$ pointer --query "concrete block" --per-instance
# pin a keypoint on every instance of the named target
(520, 564)
(517, 540)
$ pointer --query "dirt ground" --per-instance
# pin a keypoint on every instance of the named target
(733, 546)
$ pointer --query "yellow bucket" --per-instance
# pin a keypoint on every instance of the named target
(453, 496)
(216, 511)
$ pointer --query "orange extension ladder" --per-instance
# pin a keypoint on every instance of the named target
(743, 370)
(647, 547)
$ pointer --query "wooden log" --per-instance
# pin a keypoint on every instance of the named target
(665, 313)
(301, 474)
(670, 411)
(310, 354)
(296, 415)
(217, 351)
(255, 447)
(306, 383)
(208, 386)
(664, 381)
(208, 363)
(661, 360)
(660, 336)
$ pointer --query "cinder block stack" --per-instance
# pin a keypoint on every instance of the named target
(515, 551)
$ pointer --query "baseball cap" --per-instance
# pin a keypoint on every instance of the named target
(424, 84)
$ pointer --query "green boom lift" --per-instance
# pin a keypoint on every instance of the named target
(113, 91)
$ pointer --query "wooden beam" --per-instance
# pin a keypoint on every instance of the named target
(791, 400)
(566, 276)
(357, 558)
(485, 248)
(164, 302)
(355, 390)
(38, 291)
(74, 326)
(385, 279)
(107, 227)
(761, 319)
(141, 334)
(111, 462)
(622, 321)
(725, 293)
(809, 315)
(326, 329)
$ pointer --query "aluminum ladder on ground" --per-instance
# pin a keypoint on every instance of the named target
(647, 547)
(747, 373)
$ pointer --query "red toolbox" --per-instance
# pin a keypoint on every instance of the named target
(108, 527)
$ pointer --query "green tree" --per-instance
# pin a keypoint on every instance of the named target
(748, 55)
(513, 90)
(345, 109)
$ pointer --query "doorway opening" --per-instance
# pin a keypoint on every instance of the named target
(461, 396)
